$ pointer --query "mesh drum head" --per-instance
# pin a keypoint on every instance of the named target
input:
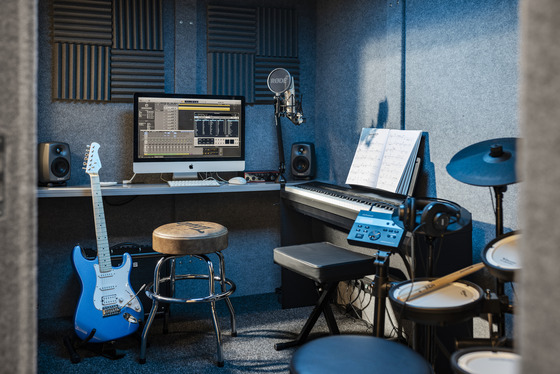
(504, 253)
(489, 362)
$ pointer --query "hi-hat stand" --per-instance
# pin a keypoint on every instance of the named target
(490, 163)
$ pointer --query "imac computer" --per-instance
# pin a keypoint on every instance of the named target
(188, 134)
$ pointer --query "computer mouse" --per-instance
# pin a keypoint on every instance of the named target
(237, 180)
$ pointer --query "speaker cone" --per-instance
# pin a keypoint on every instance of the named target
(60, 167)
(301, 164)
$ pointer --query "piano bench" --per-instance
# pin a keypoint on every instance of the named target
(326, 264)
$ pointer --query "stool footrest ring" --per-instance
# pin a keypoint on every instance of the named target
(206, 299)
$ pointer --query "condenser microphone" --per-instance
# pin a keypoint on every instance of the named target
(289, 99)
(280, 81)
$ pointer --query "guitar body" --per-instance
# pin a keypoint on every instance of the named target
(107, 302)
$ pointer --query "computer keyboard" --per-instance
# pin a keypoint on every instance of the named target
(194, 183)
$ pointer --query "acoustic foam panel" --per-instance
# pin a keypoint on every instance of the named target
(245, 45)
(106, 50)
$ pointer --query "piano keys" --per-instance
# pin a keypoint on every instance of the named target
(336, 204)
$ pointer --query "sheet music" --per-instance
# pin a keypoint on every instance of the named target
(398, 150)
(368, 157)
(384, 159)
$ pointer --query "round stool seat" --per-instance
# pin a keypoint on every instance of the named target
(190, 238)
(357, 354)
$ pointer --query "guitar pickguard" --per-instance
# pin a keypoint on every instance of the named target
(112, 291)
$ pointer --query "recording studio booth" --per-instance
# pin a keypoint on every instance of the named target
(281, 97)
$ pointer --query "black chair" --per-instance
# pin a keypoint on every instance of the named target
(327, 265)
(357, 354)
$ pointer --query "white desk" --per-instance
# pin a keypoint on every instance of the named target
(153, 189)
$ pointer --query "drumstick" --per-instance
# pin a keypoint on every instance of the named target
(443, 281)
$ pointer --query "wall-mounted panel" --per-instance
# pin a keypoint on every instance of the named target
(136, 71)
(85, 22)
(81, 72)
(263, 67)
(106, 50)
(138, 24)
(245, 45)
(231, 29)
(231, 74)
(277, 32)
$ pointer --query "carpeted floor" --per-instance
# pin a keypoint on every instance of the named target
(190, 344)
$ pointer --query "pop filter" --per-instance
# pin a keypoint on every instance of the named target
(279, 81)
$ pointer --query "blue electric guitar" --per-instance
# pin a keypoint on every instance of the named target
(108, 308)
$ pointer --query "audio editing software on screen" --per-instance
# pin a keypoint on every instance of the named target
(170, 127)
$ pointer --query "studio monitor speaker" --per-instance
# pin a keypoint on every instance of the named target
(303, 160)
(53, 163)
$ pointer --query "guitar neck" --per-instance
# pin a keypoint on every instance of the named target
(103, 253)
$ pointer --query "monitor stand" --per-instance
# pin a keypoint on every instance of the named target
(187, 175)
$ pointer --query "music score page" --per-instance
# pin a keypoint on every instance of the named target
(384, 159)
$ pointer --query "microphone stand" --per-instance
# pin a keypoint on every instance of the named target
(281, 159)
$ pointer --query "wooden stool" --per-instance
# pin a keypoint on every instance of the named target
(196, 239)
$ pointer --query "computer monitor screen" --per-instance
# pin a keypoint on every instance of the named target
(188, 134)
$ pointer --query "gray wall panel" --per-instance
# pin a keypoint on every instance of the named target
(539, 294)
(18, 214)
(351, 90)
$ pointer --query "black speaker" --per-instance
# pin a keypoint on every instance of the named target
(302, 162)
(53, 163)
(144, 260)
(434, 215)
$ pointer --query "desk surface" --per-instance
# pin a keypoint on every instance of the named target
(152, 189)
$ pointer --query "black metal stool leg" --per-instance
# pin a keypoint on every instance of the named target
(224, 289)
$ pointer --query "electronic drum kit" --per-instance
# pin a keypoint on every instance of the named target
(489, 163)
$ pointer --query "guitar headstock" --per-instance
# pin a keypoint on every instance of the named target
(93, 163)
